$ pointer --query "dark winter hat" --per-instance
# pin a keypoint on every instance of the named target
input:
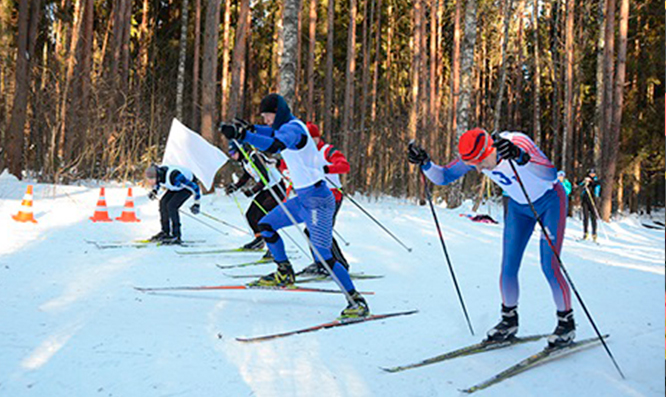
(269, 104)
(314, 130)
(475, 145)
(592, 171)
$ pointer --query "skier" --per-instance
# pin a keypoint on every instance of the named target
(180, 184)
(314, 203)
(335, 164)
(477, 149)
(566, 184)
(263, 201)
(589, 193)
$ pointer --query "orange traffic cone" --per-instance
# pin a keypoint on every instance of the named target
(128, 215)
(25, 213)
(101, 213)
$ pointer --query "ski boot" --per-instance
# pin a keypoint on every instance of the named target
(358, 309)
(315, 269)
(254, 245)
(594, 237)
(268, 256)
(585, 237)
(159, 237)
(507, 328)
(283, 277)
(565, 332)
(171, 240)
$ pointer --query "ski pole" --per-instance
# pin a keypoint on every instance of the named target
(293, 221)
(446, 252)
(369, 215)
(596, 212)
(223, 222)
(202, 222)
(564, 270)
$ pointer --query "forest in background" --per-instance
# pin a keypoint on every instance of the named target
(88, 88)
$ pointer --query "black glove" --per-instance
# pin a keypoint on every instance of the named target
(153, 194)
(230, 188)
(195, 208)
(231, 131)
(326, 170)
(243, 125)
(248, 192)
(509, 151)
(417, 155)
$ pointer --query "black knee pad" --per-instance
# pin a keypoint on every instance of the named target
(273, 236)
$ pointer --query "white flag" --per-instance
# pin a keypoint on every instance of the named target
(188, 149)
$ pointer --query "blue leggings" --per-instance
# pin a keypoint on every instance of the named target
(314, 205)
(518, 228)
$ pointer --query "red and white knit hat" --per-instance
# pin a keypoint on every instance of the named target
(475, 145)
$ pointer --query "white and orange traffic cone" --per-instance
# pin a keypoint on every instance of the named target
(101, 213)
(25, 213)
(128, 215)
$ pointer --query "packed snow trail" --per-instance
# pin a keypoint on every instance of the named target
(71, 323)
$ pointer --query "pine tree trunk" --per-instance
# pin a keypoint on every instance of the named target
(555, 100)
(180, 82)
(502, 78)
(518, 67)
(433, 106)
(365, 76)
(415, 69)
(464, 102)
(455, 80)
(209, 72)
(599, 101)
(350, 71)
(389, 56)
(635, 186)
(618, 107)
(226, 33)
(569, 56)
(296, 106)
(15, 132)
(466, 68)
(375, 67)
(536, 98)
(145, 35)
(289, 38)
(607, 105)
(238, 63)
(195, 65)
(71, 99)
(278, 47)
(310, 111)
(328, 90)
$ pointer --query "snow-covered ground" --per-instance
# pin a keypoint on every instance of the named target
(72, 325)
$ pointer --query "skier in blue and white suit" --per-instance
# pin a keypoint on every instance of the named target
(314, 203)
(492, 156)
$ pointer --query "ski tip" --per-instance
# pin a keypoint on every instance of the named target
(391, 370)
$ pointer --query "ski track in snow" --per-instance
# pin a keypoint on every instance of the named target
(71, 323)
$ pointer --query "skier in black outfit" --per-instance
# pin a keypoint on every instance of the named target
(263, 201)
(180, 184)
(590, 191)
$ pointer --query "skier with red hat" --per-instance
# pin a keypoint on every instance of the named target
(477, 149)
